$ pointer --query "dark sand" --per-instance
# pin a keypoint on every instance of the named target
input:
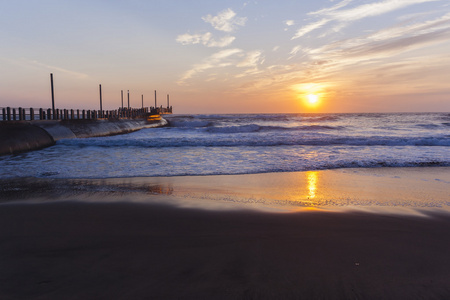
(123, 250)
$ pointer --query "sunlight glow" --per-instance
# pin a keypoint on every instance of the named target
(312, 98)
(312, 184)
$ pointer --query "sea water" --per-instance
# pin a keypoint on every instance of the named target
(246, 144)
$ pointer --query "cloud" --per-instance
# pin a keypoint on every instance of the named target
(372, 9)
(188, 39)
(223, 42)
(412, 49)
(205, 39)
(216, 60)
(336, 14)
(289, 22)
(62, 70)
(294, 51)
(225, 20)
(310, 27)
(386, 42)
(252, 59)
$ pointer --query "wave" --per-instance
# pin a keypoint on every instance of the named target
(256, 128)
(230, 141)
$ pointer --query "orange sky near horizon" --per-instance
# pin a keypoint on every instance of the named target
(238, 57)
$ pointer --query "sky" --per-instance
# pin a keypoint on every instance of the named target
(210, 56)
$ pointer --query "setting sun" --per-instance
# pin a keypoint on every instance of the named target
(312, 98)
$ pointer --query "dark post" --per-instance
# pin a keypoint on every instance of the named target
(4, 114)
(155, 99)
(167, 100)
(142, 96)
(8, 113)
(53, 95)
(101, 109)
(20, 113)
(128, 91)
(121, 94)
(31, 113)
(49, 114)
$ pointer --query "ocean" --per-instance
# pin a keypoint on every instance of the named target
(246, 144)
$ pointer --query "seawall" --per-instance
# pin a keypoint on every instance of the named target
(24, 136)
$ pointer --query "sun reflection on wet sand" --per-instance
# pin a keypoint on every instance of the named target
(382, 189)
(312, 184)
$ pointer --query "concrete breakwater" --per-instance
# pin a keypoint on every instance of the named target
(23, 136)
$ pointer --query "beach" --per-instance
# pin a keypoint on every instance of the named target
(115, 239)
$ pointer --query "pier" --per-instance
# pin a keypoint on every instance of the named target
(25, 129)
(31, 114)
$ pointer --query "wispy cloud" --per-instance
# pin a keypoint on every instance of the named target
(50, 68)
(205, 39)
(345, 16)
(225, 20)
(252, 59)
(365, 62)
(216, 60)
(310, 27)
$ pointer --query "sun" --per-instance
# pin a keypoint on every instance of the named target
(312, 98)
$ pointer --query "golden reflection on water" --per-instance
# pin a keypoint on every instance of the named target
(312, 177)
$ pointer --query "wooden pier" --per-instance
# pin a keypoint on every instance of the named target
(31, 114)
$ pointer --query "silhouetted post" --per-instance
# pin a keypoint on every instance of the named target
(101, 108)
(121, 96)
(31, 113)
(142, 96)
(53, 95)
(155, 99)
(167, 100)
(128, 91)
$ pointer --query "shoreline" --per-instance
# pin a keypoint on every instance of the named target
(383, 190)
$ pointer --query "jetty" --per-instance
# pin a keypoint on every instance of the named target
(30, 129)
(25, 129)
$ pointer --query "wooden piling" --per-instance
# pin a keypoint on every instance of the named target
(101, 108)
(53, 94)
(128, 92)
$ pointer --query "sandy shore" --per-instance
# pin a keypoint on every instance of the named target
(126, 249)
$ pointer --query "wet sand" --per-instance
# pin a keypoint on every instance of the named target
(109, 247)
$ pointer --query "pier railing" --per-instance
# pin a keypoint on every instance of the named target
(30, 114)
